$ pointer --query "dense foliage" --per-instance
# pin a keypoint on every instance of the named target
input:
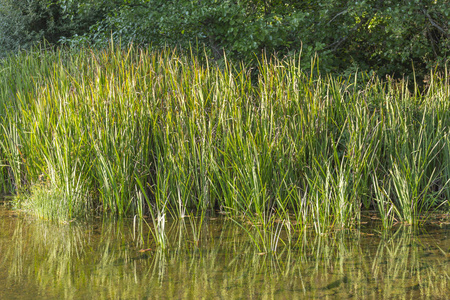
(388, 37)
(133, 131)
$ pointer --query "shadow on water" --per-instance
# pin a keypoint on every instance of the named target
(117, 260)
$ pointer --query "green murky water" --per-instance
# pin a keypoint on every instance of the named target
(102, 260)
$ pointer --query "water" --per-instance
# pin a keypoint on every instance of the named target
(106, 260)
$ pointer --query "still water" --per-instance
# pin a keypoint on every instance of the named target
(105, 259)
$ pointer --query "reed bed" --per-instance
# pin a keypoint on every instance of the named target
(139, 132)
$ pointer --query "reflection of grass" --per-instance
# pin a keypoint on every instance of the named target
(131, 131)
(75, 260)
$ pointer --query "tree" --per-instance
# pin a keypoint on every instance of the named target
(384, 36)
(22, 23)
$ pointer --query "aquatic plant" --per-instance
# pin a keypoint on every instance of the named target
(130, 131)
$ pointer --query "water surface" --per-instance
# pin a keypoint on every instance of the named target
(106, 259)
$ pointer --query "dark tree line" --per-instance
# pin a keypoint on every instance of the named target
(384, 36)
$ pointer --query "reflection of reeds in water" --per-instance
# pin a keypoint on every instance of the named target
(218, 260)
(406, 266)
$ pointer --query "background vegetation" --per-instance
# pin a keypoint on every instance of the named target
(387, 37)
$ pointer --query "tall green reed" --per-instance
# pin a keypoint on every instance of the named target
(127, 131)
